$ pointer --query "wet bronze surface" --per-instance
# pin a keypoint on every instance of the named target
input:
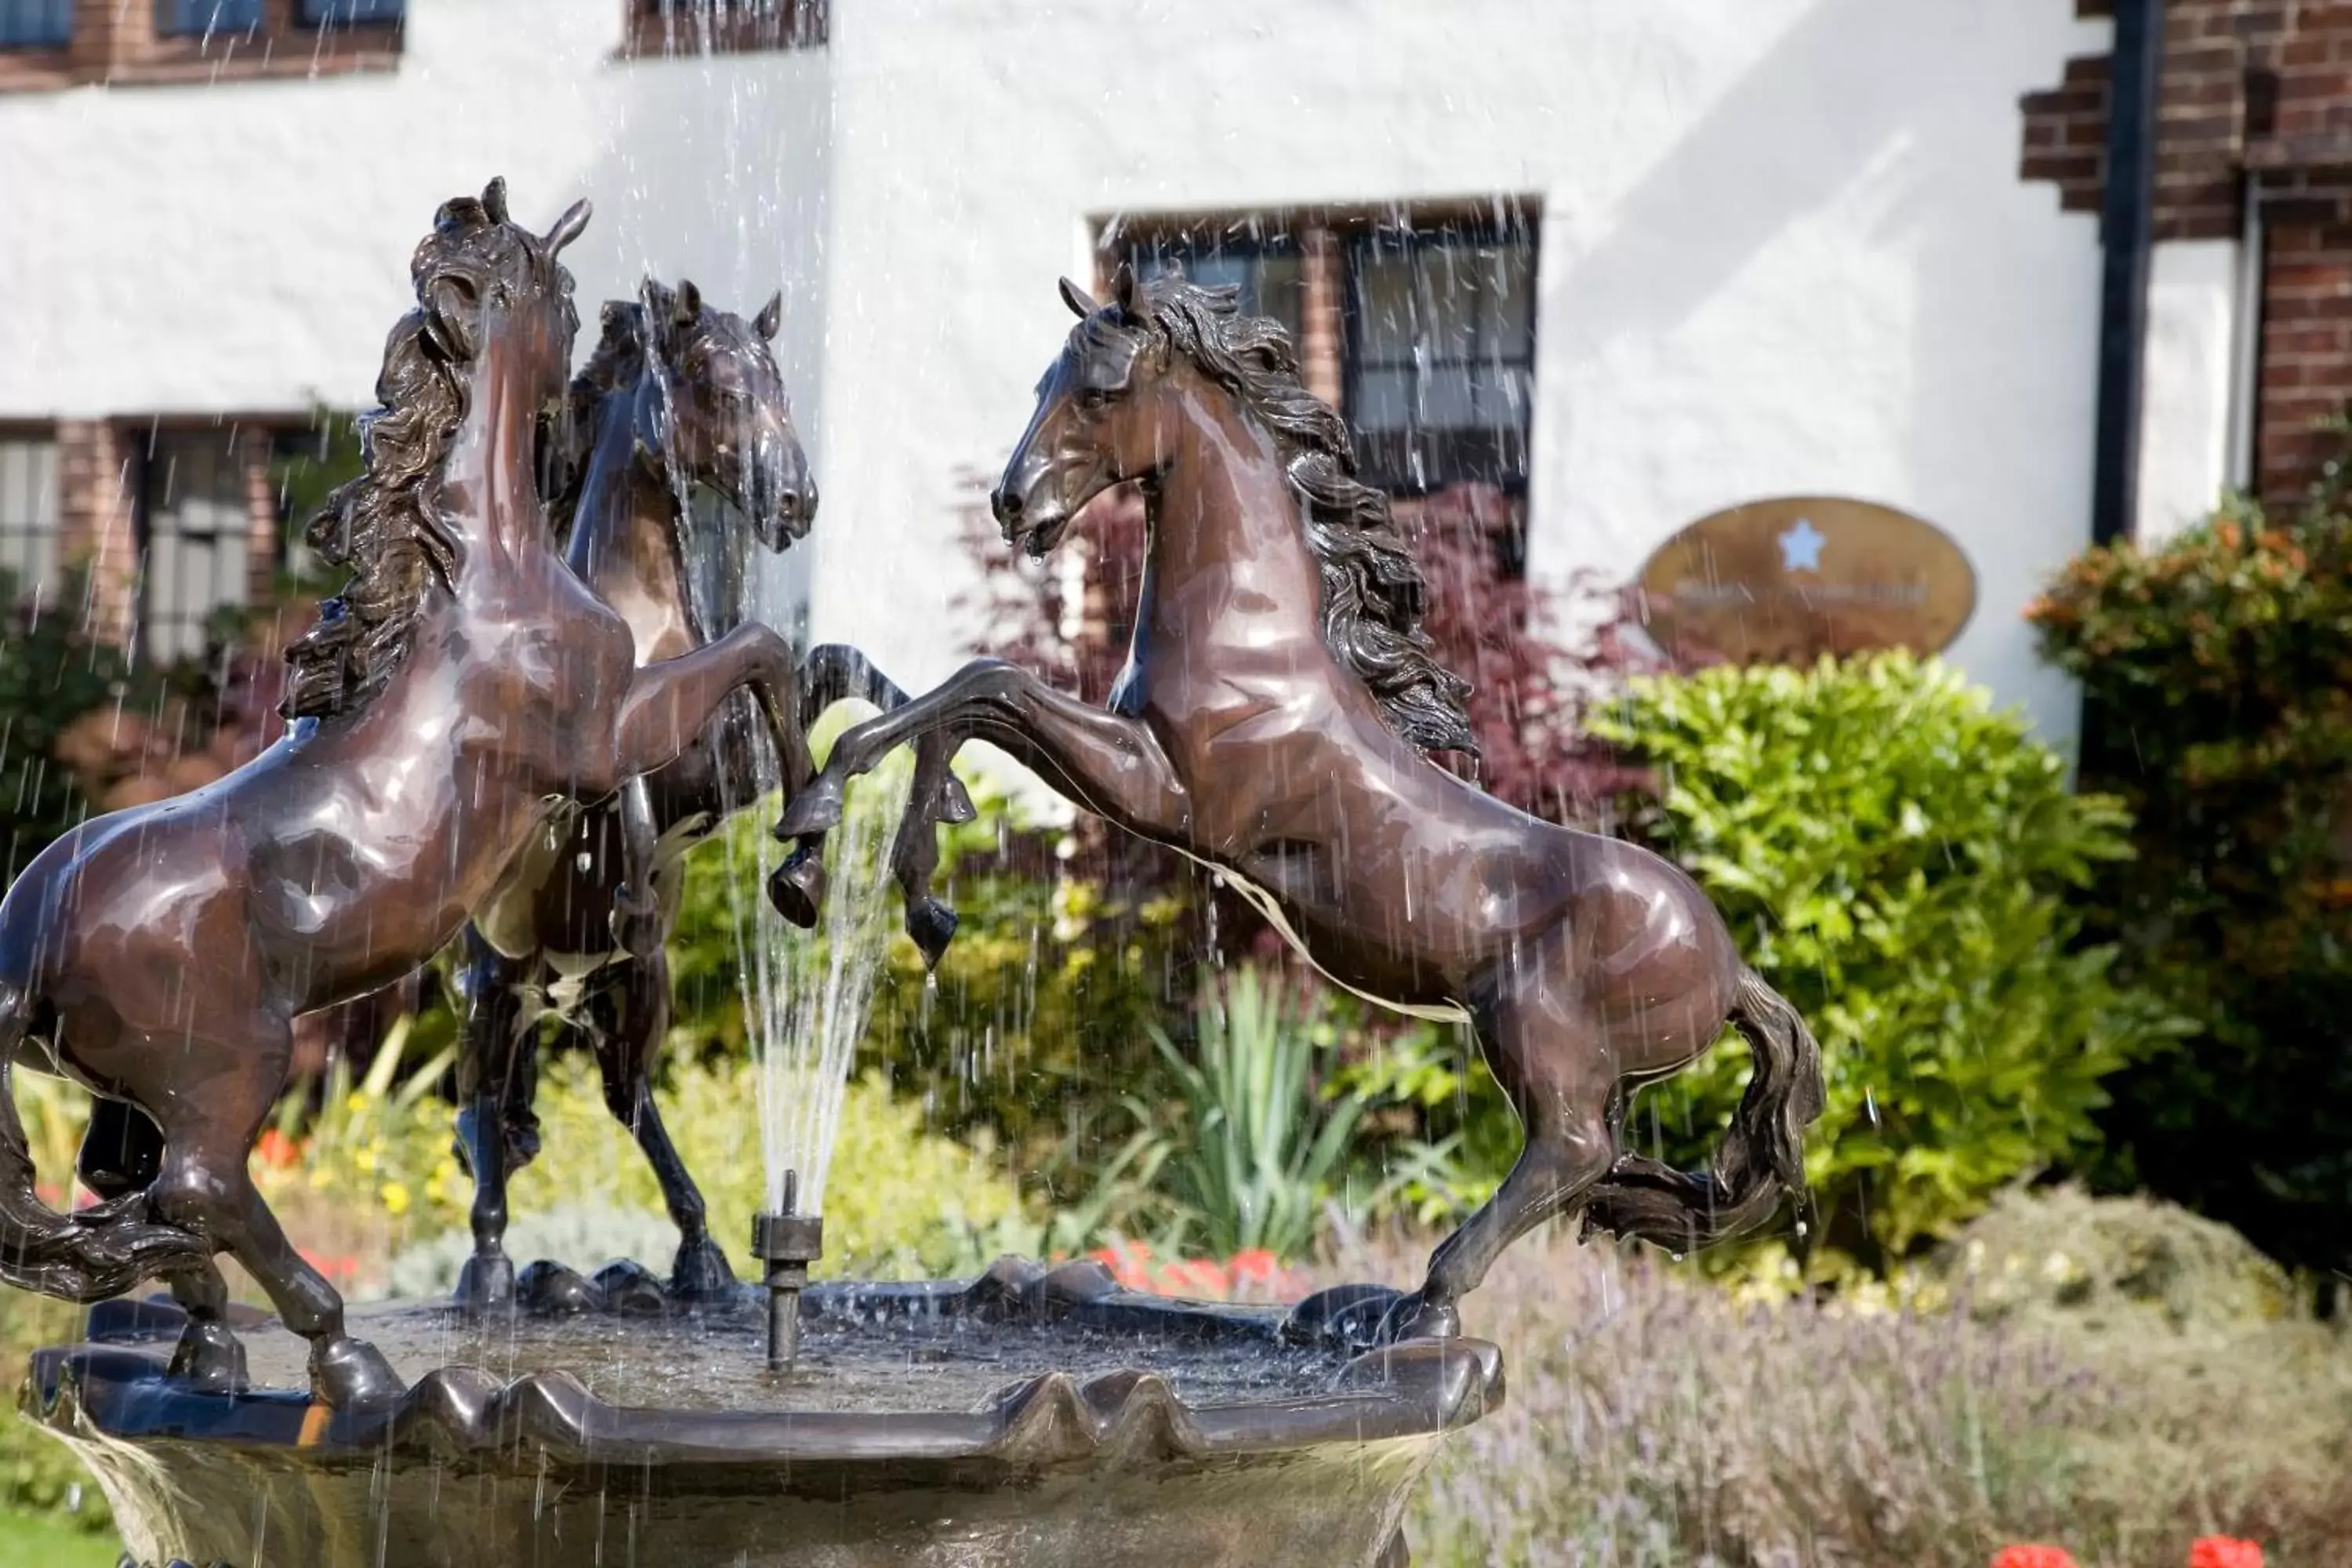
(1027, 1417)
(463, 682)
(1273, 721)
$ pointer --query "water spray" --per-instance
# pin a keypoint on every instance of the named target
(787, 1241)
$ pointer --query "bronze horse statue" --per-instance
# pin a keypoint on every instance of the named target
(1272, 720)
(463, 681)
(677, 395)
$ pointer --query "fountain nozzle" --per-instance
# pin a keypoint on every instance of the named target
(787, 1241)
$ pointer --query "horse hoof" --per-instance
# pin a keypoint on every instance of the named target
(486, 1283)
(1346, 1317)
(955, 801)
(1411, 1317)
(933, 925)
(701, 1274)
(817, 810)
(352, 1374)
(797, 889)
(210, 1359)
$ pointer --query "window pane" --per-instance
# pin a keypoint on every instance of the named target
(1446, 400)
(343, 13)
(1282, 293)
(1511, 317)
(1266, 274)
(204, 18)
(1383, 400)
(1384, 310)
(28, 514)
(195, 528)
(36, 24)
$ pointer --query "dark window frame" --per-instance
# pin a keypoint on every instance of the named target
(21, 531)
(654, 30)
(16, 25)
(1455, 450)
(154, 468)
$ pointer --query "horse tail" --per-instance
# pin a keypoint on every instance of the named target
(1762, 1155)
(86, 1258)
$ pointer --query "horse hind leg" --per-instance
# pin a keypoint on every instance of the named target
(494, 1076)
(205, 1186)
(121, 1154)
(629, 1012)
(1555, 1068)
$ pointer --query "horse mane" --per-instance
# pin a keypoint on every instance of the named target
(1374, 596)
(618, 360)
(386, 525)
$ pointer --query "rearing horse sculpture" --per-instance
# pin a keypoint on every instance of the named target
(677, 395)
(1272, 720)
(464, 680)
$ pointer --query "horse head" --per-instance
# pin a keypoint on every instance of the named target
(715, 413)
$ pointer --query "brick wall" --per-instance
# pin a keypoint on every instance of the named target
(2254, 100)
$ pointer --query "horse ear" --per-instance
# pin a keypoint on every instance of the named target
(1075, 298)
(494, 199)
(567, 227)
(1129, 295)
(771, 317)
(689, 300)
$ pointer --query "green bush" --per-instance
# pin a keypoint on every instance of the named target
(1894, 858)
(2218, 674)
(52, 672)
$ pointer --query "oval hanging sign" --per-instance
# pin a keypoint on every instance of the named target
(1786, 580)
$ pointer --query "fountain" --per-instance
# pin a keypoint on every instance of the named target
(1033, 1414)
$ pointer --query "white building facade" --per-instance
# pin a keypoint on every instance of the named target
(1717, 252)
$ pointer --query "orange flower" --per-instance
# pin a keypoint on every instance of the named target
(2223, 1552)
(275, 1149)
(2034, 1557)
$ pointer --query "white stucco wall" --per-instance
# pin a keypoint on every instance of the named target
(1784, 243)
(245, 248)
(1784, 249)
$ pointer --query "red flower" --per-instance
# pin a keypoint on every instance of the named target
(2223, 1552)
(2034, 1557)
(275, 1149)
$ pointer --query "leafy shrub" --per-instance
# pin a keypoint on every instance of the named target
(2218, 674)
(1258, 1147)
(1656, 1422)
(53, 671)
(2121, 1263)
(1892, 856)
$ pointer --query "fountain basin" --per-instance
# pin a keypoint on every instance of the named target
(1029, 1417)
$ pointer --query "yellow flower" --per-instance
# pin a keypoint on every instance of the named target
(396, 1198)
(365, 1162)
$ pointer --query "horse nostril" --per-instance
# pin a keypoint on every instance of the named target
(1006, 505)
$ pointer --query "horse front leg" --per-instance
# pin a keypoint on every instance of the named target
(833, 671)
(670, 702)
(1104, 762)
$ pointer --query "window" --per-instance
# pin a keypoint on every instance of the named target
(1440, 349)
(658, 27)
(29, 516)
(350, 12)
(36, 24)
(129, 43)
(1421, 327)
(1264, 270)
(206, 18)
(197, 528)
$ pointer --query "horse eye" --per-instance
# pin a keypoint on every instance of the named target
(1093, 399)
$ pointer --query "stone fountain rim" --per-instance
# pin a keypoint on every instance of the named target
(1119, 1419)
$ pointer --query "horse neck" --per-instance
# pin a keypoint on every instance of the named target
(624, 534)
(1225, 505)
(489, 481)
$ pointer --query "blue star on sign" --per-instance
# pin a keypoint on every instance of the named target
(1800, 547)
